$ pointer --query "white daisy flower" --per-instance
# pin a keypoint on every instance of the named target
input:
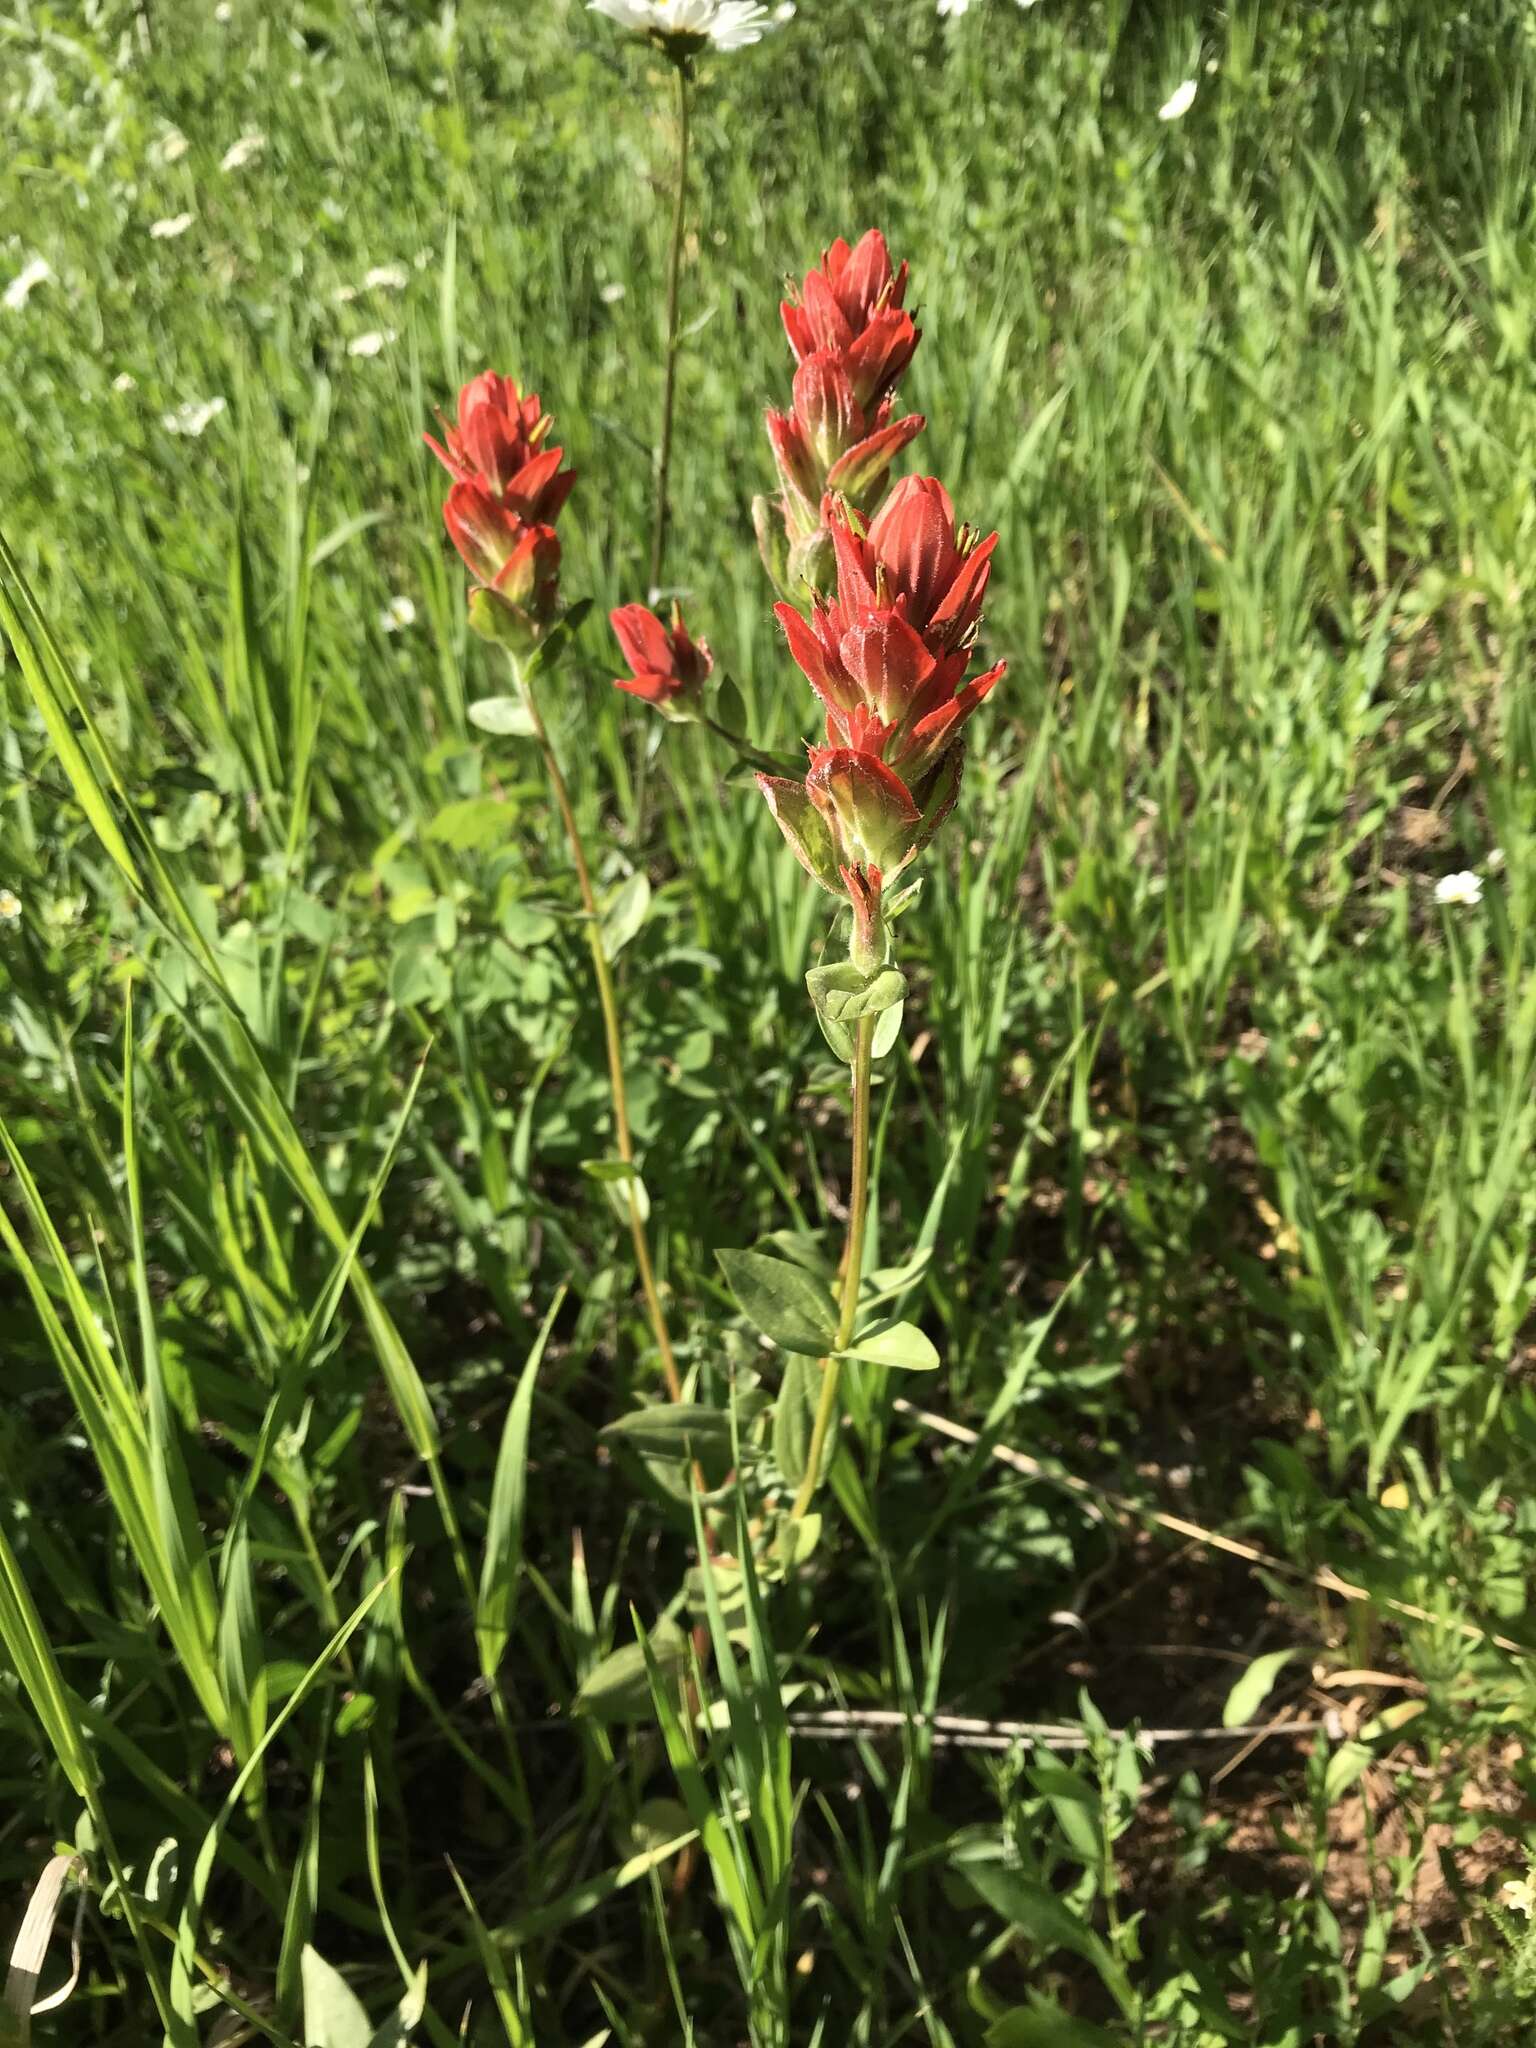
(25, 283)
(172, 147)
(241, 152)
(785, 11)
(168, 230)
(193, 417)
(724, 24)
(1495, 860)
(953, 7)
(1178, 102)
(10, 906)
(387, 277)
(1463, 888)
(371, 344)
(125, 381)
(224, 13)
(397, 614)
(344, 294)
(610, 294)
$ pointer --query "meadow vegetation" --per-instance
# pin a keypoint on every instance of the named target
(322, 1702)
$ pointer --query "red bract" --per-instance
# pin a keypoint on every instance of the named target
(507, 492)
(854, 817)
(669, 667)
(894, 644)
(504, 553)
(888, 659)
(853, 341)
(833, 441)
(498, 444)
(840, 298)
(914, 549)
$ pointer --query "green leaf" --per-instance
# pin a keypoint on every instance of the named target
(619, 1179)
(902, 1345)
(406, 2017)
(785, 1302)
(419, 975)
(626, 914)
(887, 1031)
(1048, 1921)
(473, 822)
(802, 1249)
(1346, 1766)
(501, 1560)
(506, 717)
(730, 711)
(618, 1689)
(333, 2013)
(615, 1170)
(795, 1541)
(1075, 1804)
(1045, 2025)
(890, 1283)
(1254, 1687)
(658, 1824)
(675, 1429)
(842, 995)
(794, 1415)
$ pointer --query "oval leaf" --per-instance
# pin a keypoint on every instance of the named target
(676, 1430)
(783, 1301)
(902, 1345)
(333, 2014)
(793, 1418)
(618, 1688)
(1254, 1688)
(626, 914)
(506, 717)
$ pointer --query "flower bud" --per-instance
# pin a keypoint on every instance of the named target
(868, 808)
(668, 669)
(812, 562)
(805, 829)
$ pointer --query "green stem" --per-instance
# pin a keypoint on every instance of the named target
(752, 755)
(609, 1002)
(663, 511)
(853, 1266)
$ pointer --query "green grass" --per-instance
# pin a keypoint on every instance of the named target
(309, 1534)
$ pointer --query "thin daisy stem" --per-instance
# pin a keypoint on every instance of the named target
(663, 513)
(853, 1267)
(608, 999)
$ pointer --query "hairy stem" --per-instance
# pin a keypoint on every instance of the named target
(609, 1001)
(853, 1266)
(662, 516)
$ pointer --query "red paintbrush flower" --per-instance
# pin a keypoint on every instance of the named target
(507, 492)
(840, 298)
(887, 657)
(853, 340)
(668, 667)
(499, 445)
(895, 642)
(833, 441)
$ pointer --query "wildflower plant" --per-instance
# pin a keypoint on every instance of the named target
(509, 486)
(881, 615)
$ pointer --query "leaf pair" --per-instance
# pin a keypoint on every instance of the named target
(842, 994)
(796, 1310)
